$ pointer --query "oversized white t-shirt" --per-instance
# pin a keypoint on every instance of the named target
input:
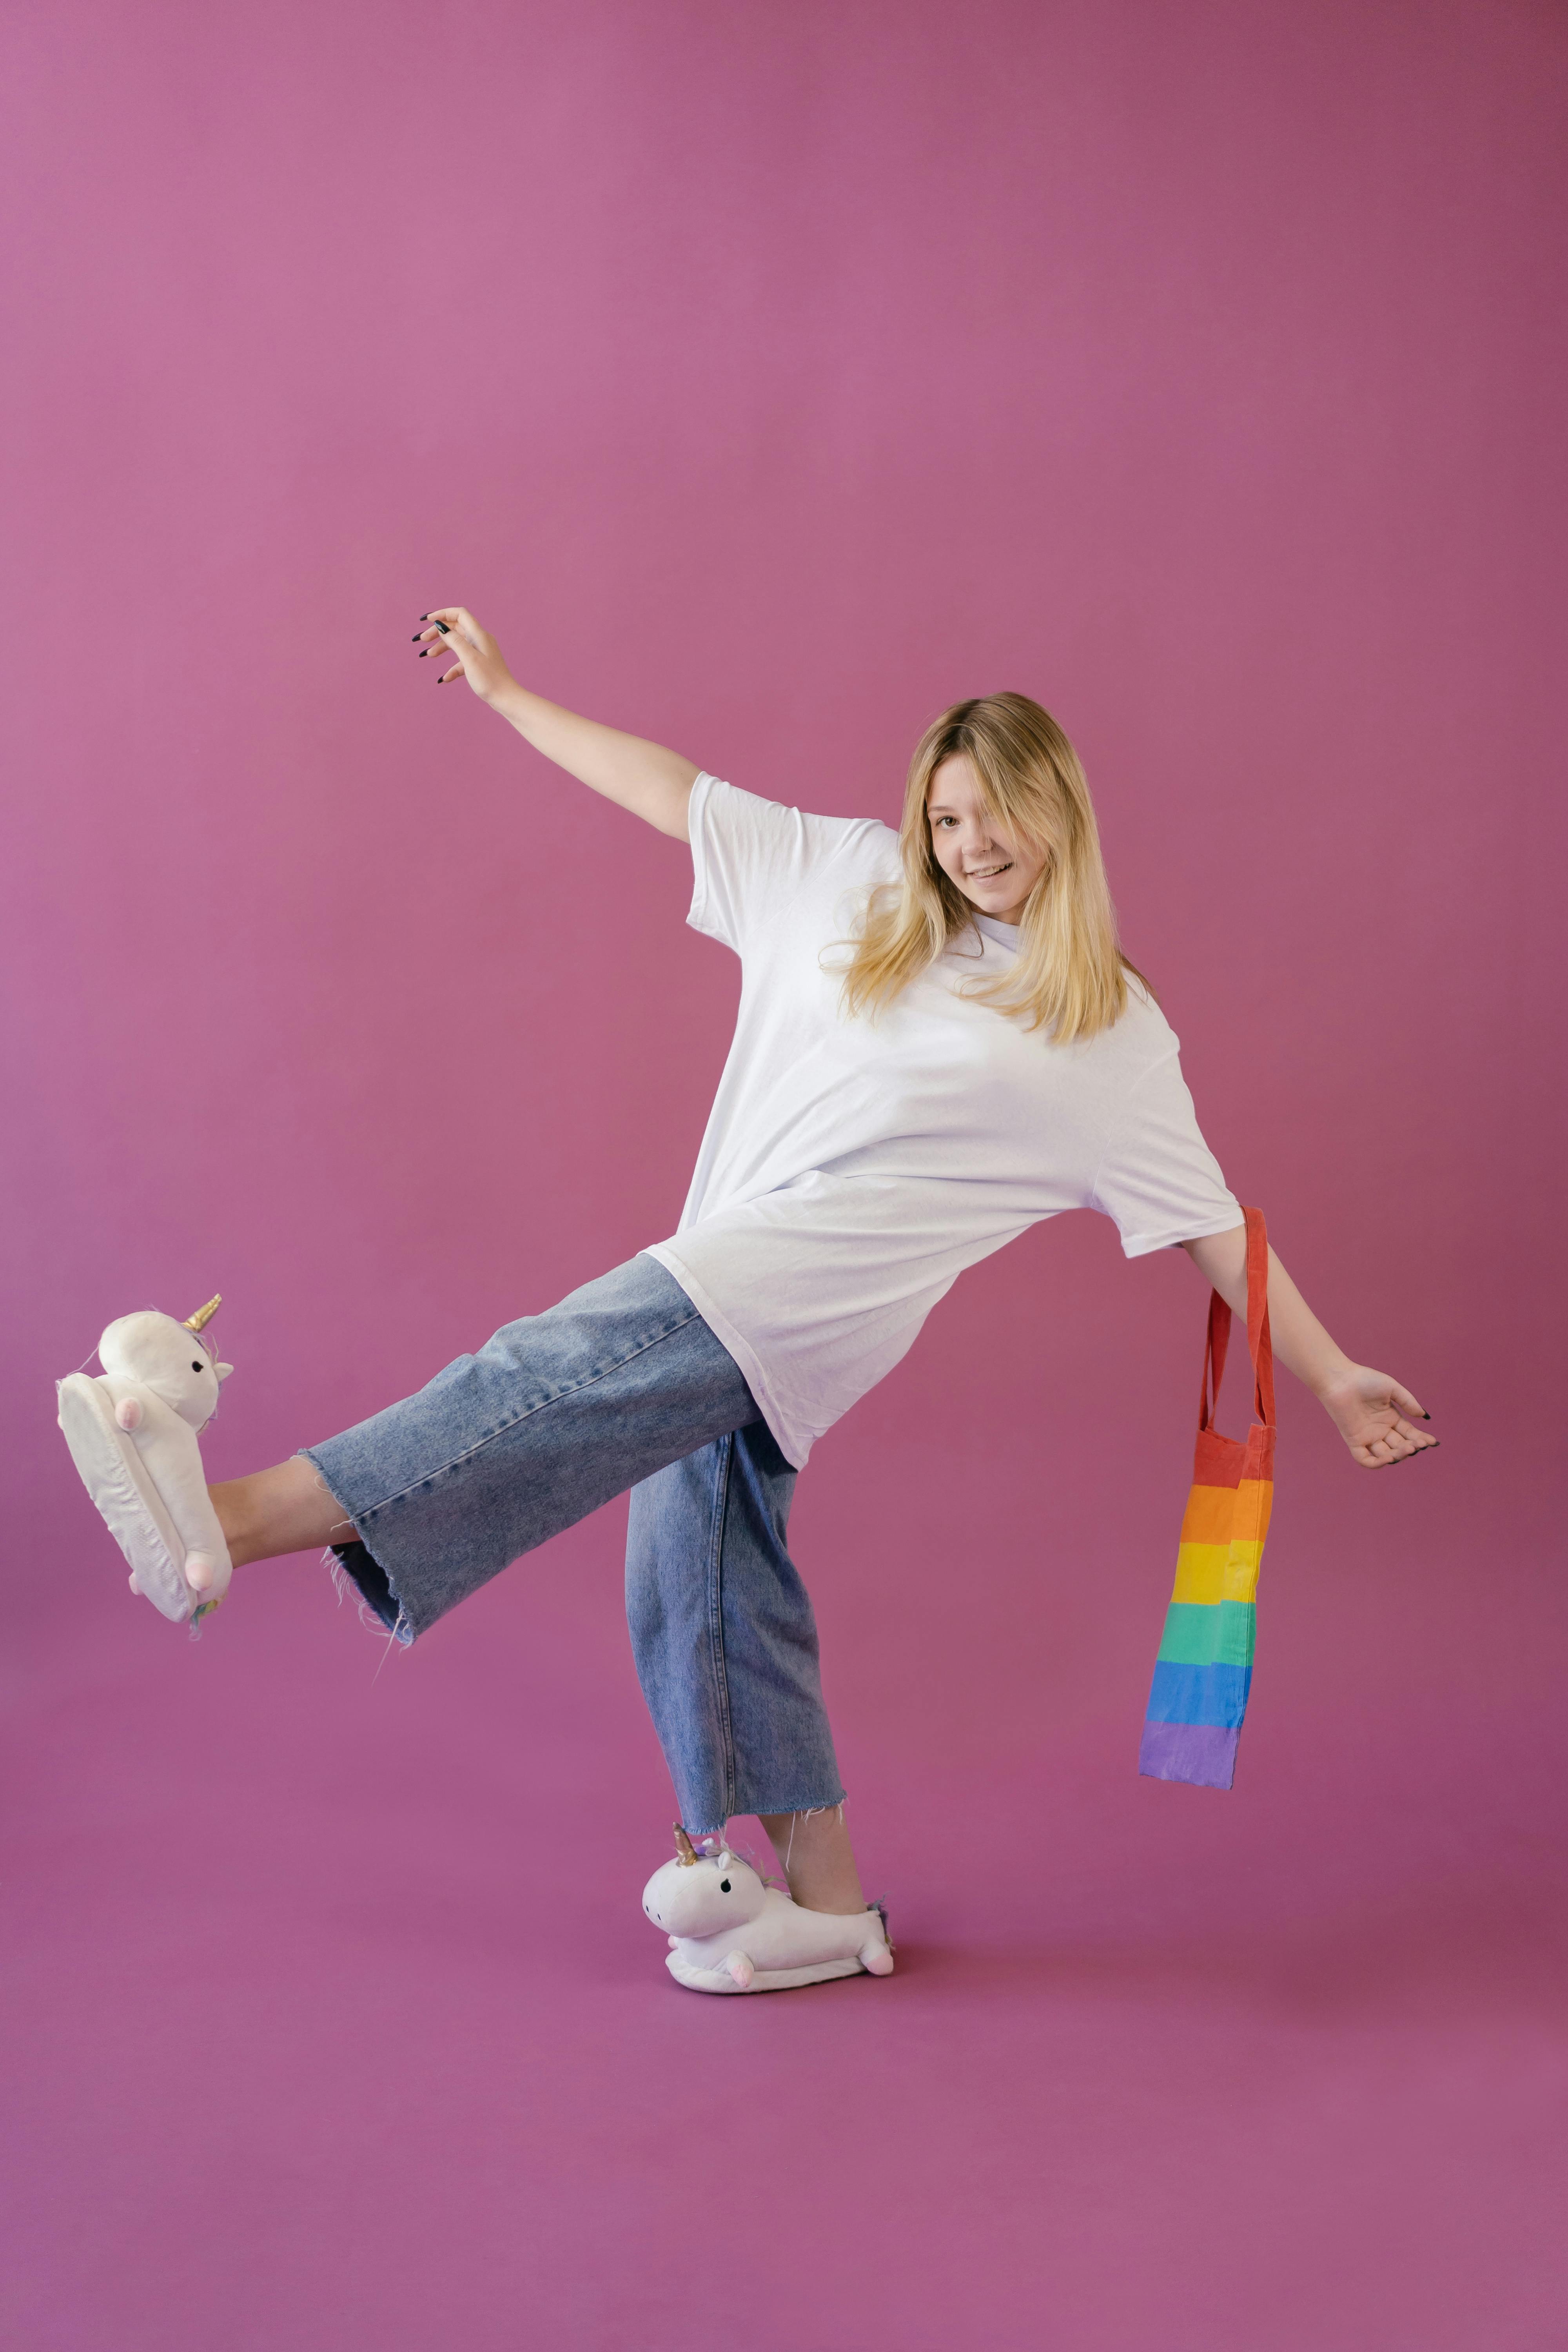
(852, 1168)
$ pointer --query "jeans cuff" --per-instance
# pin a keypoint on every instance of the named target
(376, 1589)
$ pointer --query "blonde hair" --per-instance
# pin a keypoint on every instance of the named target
(1071, 976)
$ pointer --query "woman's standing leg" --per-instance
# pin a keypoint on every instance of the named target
(726, 1649)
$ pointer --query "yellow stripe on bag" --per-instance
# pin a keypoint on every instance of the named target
(1209, 1573)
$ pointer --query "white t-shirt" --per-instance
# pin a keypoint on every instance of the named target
(852, 1169)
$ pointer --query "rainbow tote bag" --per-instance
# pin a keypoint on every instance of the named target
(1204, 1671)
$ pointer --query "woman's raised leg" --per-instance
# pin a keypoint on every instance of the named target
(284, 1509)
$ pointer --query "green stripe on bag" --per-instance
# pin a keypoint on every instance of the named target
(1220, 1634)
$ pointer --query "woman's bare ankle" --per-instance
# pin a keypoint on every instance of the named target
(819, 1860)
(287, 1509)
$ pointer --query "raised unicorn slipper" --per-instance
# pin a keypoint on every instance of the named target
(133, 1435)
(728, 1933)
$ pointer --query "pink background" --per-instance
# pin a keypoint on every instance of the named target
(767, 377)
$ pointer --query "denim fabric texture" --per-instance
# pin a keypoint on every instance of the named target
(723, 1634)
(622, 1384)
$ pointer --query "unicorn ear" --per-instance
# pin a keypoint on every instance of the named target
(223, 1370)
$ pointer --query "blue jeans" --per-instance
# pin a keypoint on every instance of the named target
(623, 1384)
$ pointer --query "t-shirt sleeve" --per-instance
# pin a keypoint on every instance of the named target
(1159, 1180)
(751, 857)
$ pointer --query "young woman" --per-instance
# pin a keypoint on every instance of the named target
(938, 1044)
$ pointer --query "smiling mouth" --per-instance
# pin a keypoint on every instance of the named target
(989, 873)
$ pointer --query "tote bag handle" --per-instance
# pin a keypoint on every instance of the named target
(1260, 1346)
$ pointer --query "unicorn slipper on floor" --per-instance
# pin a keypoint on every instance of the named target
(728, 1933)
(133, 1435)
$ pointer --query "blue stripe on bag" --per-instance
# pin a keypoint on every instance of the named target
(1214, 1695)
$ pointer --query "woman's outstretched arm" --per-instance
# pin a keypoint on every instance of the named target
(654, 783)
(1372, 1413)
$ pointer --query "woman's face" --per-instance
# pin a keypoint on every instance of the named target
(994, 873)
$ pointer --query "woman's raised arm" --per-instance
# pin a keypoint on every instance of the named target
(654, 783)
(1372, 1413)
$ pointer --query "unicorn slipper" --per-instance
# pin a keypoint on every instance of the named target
(133, 1435)
(728, 1933)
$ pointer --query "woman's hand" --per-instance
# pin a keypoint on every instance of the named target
(474, 653)
(1375, 1417)
(654, 783)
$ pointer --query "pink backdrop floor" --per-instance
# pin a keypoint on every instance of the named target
(331, 2018)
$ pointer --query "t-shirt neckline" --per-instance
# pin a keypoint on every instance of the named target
(1005, 935)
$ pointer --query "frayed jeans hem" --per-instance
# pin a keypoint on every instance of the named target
(369, 1575)
(801, 1805)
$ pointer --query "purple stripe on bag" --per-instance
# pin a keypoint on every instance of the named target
(1203, 1753)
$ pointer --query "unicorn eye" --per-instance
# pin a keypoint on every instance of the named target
(724, 1886)
(195, 1368)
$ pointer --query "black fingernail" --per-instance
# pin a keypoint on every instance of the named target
(424, 616)
(446, 632)
(441, 681)
(414, 640)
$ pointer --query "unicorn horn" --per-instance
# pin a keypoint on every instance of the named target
(203, 1315)
(686, 1851)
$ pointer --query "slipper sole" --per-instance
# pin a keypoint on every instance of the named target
(765, 1980)
(128, 1501)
